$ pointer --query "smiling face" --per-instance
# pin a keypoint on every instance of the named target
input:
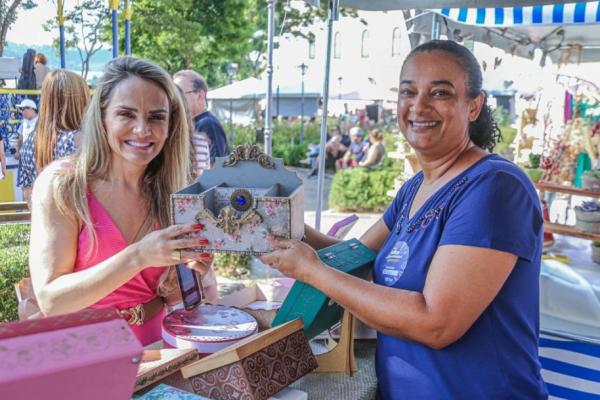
(136, 120)
(434, 109)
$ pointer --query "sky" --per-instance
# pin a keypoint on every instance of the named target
(28, 27)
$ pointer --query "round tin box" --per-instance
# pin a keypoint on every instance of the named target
(207, 328)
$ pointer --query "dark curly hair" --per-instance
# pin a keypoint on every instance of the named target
(484, 131)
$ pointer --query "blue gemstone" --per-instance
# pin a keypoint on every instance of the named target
(240, 200)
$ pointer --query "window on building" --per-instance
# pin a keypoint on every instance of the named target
(396, 42)
(337, 45)
(311, 48)
(364, 47)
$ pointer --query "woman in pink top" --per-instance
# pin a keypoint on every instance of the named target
(100, 234)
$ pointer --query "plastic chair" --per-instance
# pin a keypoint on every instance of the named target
(570, 365)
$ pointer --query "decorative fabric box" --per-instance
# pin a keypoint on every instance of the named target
(255, 368)
(207, 328)
(92, 354)
(246, 197)
(317, 311)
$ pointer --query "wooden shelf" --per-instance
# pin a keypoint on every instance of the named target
(553, 187)
(570, 231)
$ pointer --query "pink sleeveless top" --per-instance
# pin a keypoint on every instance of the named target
(139, 289)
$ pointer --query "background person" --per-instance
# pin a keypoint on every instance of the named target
(376, 152)
(40, 69)
(356, 151)
(455, 297)
(2, 159)
(100, 234)
(29, 111)
(63, 100)
(195, 89)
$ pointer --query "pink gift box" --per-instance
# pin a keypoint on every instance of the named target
(92, 354)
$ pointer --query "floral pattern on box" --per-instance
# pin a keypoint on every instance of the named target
(240, 204)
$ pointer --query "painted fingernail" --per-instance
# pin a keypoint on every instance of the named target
(203, 242)
(197, 227)
(205, 255)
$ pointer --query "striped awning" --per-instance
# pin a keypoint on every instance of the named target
(553, 14)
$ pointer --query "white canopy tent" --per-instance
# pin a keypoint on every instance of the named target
(244, 100)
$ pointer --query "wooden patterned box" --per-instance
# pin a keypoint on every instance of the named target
(246, 197)
(256, 368)
(91, 354)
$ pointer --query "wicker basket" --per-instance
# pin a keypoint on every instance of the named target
(590, 183)
(587, 221)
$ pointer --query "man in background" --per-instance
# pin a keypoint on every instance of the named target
(194, 88)
(28, 109)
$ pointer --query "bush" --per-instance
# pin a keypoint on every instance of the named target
(232, 265)
(291, 154)
(14, 261)
(359, 189)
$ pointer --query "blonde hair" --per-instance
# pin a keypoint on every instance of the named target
(165, 174)
(62, 104)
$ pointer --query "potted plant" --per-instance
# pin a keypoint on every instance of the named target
(588, 216)
(534, 171)
(591, 180)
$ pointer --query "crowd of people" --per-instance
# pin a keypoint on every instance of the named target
(347, 149)
(455, 287)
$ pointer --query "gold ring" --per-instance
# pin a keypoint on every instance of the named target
(176, 255)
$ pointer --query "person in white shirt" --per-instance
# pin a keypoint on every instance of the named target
(30, 116)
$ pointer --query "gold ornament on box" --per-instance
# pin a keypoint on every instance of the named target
(249, 152)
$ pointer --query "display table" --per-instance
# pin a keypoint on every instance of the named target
(333, 386)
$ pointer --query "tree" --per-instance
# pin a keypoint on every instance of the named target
(84, 30)
(8, 16)
(206, 35)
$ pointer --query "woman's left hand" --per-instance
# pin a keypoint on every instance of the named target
(293, 258)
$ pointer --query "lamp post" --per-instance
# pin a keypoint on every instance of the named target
(231, 70)
(340, 79)
(303, 67)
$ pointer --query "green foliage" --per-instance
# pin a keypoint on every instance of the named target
(291, 154)
(14, 261)
(204, 35)
(359, 189)
(232, 265)
(594, 173)
(534, 160)
(508, 136)
(8, 16)
(503, 117)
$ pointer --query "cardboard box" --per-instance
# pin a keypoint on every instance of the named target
(92, 355)
(246, 197)
(317, 311)
(262, 300)
(256, 368)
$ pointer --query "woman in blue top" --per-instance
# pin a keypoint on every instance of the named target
(455, 291)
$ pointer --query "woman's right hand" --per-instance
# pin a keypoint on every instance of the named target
(165, 247)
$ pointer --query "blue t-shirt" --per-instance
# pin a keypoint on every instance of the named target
(493, 205)
(210, 125)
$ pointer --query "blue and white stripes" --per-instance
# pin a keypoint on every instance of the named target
(571, 369)
(553, 14)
